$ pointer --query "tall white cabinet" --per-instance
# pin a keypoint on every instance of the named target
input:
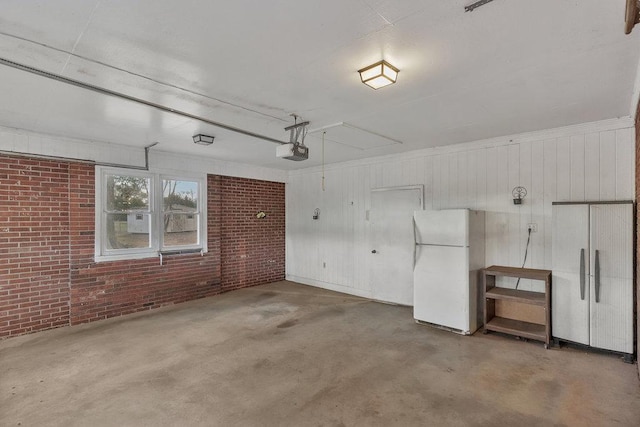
(592, 293)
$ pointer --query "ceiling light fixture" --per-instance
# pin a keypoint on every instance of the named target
(379, 75)
(201, 139)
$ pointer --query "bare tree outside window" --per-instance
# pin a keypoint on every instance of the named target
(143, 212)
(180, 210)
(127, 199)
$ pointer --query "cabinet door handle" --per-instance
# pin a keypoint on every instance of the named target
(582, 274)
(596, 274)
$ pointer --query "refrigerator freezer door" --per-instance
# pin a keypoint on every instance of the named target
(447, 227)
(441, 287)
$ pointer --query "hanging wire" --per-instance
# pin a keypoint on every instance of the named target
(526, 251)
(323, 133)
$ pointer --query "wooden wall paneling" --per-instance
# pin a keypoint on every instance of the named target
(514, 230)
(550, 170)
(333, 238)
(390, 174)
(423, 176)
(436, 179)
(480, 157)
(592, 166)
(350, 232)
(376, 175)
(408, 171)
(366, 283)
(298, 234)
(449, 181)
(467, 194)
(460, 178)
(577, 168)
(537, 202)
(471, 193)
(457, 177)
(315, 198)
(360, 237)
(524, 211)
(491, 232)
(625, 157)
(608, 165)
(499, 219)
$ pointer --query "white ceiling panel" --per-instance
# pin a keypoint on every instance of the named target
(353, 136)
(508, 67)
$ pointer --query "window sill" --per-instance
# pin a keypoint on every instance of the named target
(149, 254)
(125, 257)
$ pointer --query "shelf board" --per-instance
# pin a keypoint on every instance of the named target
(525, 273)
(525, 297)
(516, 327)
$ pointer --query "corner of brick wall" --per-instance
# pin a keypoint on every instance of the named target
(637, 229)
(252, 249)
(108, 289)
(47, 232)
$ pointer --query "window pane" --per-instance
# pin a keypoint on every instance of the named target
(125, 193)
(180, 229)
(126, 231)
(179, 196)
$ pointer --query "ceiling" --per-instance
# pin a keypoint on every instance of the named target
(507, 67)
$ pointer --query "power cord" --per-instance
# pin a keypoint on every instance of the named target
(526, 251)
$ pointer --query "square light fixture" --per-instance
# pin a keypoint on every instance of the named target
(379, 75)
(201, 139)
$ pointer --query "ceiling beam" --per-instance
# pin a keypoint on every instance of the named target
(108, 92)
(476, 5)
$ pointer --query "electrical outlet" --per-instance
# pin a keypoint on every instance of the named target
(533, 227)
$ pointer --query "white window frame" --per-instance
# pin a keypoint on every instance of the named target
(101, 253)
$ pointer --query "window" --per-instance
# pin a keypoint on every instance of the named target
(180, 213)
(141, 213)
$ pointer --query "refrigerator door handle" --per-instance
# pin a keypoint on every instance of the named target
(582, 274)
(596, 274)
(415, 252)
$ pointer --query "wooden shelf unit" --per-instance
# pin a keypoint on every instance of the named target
(511, 311)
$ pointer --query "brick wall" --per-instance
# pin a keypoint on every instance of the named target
(252, 248)
(108, 289)
(34, 245)
(49, 278)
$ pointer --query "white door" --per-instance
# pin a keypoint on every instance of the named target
(392, 243)
(570, 283)
(611, 274)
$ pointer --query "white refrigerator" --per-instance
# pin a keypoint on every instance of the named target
(449, 257)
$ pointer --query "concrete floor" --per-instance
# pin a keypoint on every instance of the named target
(287, 354)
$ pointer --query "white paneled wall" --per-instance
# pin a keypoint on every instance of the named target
(587, 162)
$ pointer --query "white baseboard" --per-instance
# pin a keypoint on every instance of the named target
(330, 286)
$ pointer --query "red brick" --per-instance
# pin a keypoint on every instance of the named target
(51, 279)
